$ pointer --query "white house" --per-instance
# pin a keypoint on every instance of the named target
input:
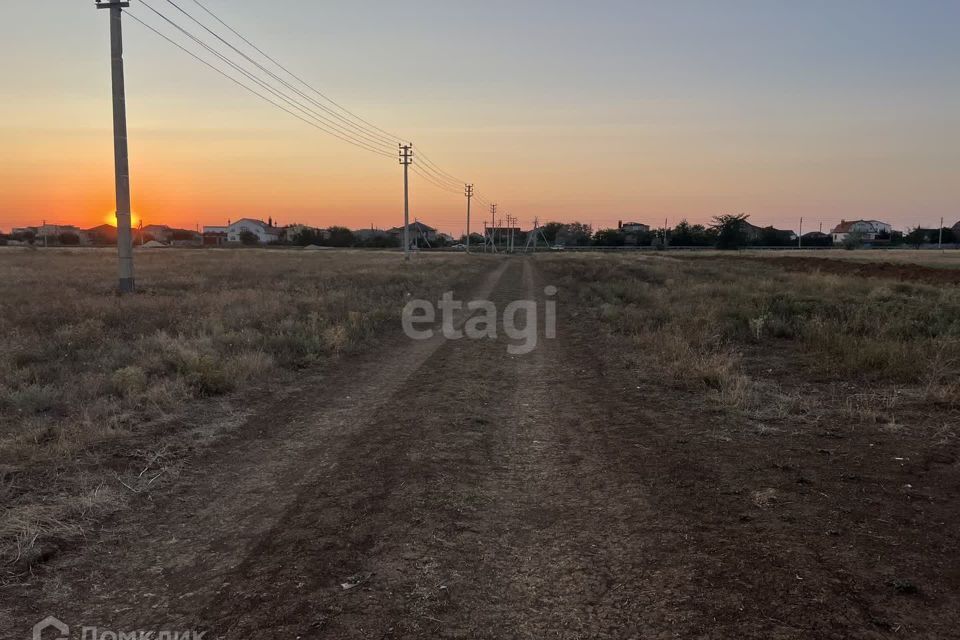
(633, 227)
(265, 233)
(867, 230)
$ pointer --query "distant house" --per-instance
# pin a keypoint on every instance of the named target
(186, 238)
(264, 232)
(56, 230)
(866, 230)
(214, 238)
(50, 234)
(366, 235)
(418, 232)
(290, 232)
(101, 235)
(633, 227)
(816, 239)
(158, 232)
(769, 236)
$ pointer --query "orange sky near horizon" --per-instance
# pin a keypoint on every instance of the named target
(664, 111)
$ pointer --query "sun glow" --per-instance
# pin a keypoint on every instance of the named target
(111, 219)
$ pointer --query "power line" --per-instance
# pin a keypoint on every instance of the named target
(392, 137)
(374, 138)
(439, 178)
(234, 80)
(366, 136)
(346, 136)
(370, 129)
(446, 175)
(432, 181)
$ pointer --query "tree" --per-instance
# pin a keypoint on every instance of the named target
(25, 236)
(577, 234)
(248, 238)
(306, 237)
(68, 239)
(341, 237)
(476, 240)
(916, 237)
(551, 230)
(853, 240)
(816, 239)
(770, 237)
(682, 235)
(609, 238)
(731, 230)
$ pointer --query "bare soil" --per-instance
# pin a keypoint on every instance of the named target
(446, 489)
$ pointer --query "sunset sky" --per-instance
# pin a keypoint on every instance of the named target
(566, 110)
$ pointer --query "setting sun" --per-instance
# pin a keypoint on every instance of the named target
(111, 219)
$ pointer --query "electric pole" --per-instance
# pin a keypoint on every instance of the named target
(120, 155)
(800, 235)
(468, 191)
(406, 157)
(940, 242)
(493, 227)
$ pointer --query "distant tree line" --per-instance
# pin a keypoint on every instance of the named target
(728, 231)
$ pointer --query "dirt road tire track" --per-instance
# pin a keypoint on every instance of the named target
(462, 492)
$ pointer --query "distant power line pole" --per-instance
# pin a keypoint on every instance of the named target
(532, 238)
(120, 155)
(493, 227)
(468, 191)
(940, 242)
(406, 157)
(800, 235)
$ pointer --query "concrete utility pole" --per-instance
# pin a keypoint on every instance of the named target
(940, 242)
(468, 191)
(406, 157)
(800, 235)
(493, 227)
(120, 156)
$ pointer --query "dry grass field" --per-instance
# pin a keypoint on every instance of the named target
(699, 318)
(101, 396)
(713, 446)
(945, 259)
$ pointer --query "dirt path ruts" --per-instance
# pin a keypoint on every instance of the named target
(468, 491)
(462, 492)
(154, 566)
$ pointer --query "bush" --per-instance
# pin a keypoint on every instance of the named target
(249, 238)
(129, 381)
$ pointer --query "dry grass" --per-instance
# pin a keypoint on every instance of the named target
(81, 367)
(945, 259)
(716, 325)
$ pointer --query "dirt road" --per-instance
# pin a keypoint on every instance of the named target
(446, 489)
